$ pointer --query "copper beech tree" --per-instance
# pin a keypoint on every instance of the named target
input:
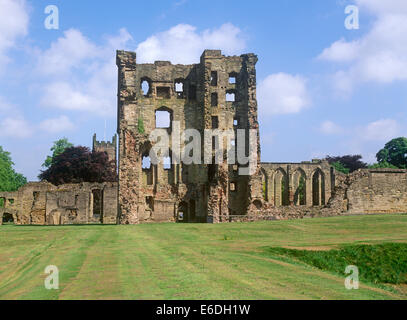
(79, 164)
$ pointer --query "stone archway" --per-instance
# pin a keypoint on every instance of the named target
(299, 182)
(318, 188)
(281, 188)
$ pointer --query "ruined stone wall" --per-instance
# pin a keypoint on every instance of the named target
(376, 191)
(297, 184)
(201, 192)
(41, 203)
(366, 191)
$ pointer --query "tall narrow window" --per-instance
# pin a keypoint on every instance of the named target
(145, 86)
(214, 78)
(215, 122)
(97, 203)
(179, 89)
(214, 99)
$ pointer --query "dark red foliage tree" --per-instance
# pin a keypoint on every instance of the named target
(351, 162)
(79, 164)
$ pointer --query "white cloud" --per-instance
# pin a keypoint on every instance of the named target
(66, 53)
(340, 51)
(380, 130)
(84, 74)
(282, 93)
(183, 44)
(330, 128)
(56, 125)
(13, 24)
(380, 55)
(15, 127)
(380, 6)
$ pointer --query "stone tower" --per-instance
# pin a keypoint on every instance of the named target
(217, 93)
(105, 146)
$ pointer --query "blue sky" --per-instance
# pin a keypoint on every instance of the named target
(322, 89)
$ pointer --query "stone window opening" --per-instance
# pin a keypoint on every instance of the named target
(167, 163)
(212, 171)
(230, 96)
(232, 187)
(2, 202)
(235, 122)
(163, 118)
(8, 218)
(215, 122)
(318, 188)
(146, 168)
(97, 204)
(11, 201)
(145, 86)
(264, 185)
(146, 163)
(214, 99)
(163, 92)
(232, 78)
(214, 78)
(179, 88)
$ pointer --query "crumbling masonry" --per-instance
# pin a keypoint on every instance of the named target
(217, 93)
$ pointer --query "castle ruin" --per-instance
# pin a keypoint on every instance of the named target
(219, 93)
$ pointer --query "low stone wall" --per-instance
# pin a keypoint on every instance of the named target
(41, 203)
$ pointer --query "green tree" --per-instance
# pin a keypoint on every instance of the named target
(340, 167)
(59, 147)
(394, 153)
(9, 179)
(381, 165)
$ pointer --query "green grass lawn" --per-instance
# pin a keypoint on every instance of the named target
(193, 261)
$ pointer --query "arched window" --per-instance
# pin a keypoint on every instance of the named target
(264, 180)
(299, 187)
(145, 86)
(318, 188)
(163, 118)
(280, 188)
